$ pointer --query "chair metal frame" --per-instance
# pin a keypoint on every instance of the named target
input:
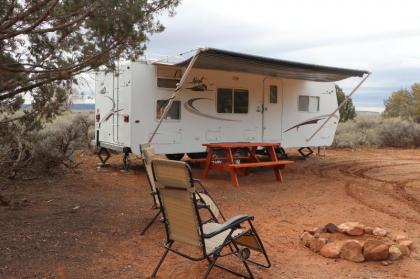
(230, 241)
(156, 206)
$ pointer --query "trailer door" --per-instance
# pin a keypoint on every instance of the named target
(272, 111)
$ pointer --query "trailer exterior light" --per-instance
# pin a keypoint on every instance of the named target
(126, 118)
(98, 117)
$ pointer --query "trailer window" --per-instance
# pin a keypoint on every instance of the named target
(308, 103)
(240, 101)
(232, 100)
(273, 94)
(168, 76)
(224, 100)
(167, 82)
(173, 113)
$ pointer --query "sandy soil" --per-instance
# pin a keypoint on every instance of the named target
(87, 225)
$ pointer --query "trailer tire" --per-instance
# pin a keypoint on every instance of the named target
(175, 157)
(126, 161)
(281, 153)
(197, 155)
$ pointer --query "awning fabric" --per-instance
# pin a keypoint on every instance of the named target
(216, 59)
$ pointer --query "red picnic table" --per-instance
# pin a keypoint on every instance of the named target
(231, 162)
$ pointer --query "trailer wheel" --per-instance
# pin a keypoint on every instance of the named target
(126, 161)
(197, 155)
(175, 157)
(281, 153)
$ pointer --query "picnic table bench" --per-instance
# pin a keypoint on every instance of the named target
(231, 163)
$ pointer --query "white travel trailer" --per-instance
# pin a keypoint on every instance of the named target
(224, 97)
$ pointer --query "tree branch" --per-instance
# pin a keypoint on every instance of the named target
(22, 15)
(61, 74)
(9, 11)
(60, 27)
(33, 26)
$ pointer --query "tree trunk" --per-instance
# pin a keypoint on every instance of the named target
(3, 201)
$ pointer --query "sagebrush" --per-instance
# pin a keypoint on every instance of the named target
(378, 132)
(47, 149)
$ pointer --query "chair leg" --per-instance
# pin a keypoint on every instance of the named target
(235, 250)
(260, 243)
(211, 265)
(150, 223)
(161, 260)
(251, 276)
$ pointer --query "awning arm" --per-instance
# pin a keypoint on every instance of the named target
(177, 89)
(339, 107)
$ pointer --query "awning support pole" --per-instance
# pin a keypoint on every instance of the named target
(339, 107)
(177, 89)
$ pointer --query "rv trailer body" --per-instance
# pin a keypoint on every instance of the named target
(213, 106)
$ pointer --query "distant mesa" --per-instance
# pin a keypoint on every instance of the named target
(367, 112)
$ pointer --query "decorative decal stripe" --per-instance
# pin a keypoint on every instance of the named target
(110, 113)
(310, 121)
(189, 106)
(198, 84)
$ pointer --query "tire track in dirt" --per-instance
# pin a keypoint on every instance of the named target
(351, 193)
(324, 169)
(356, 170)
(398, 186)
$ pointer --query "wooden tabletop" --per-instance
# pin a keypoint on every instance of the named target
(240, 144)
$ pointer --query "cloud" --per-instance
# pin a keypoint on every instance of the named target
(379, 36)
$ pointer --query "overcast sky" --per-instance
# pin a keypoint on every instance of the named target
(379, 36)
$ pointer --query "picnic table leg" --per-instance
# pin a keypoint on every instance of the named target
(272, 153)
(251, 158)
(273, 158)
(234, 177)
(232, 171)
(277, 173)
(246, 170)
(209, 160)
(253, 154)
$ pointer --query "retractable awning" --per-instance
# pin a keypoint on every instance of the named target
(216, 59)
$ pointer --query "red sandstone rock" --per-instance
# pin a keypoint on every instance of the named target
(380, 232)
(352, 228)
(375, 250)
(395, 253)
(352, 251)
(332, 249)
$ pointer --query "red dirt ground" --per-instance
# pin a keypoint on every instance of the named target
(87, 225)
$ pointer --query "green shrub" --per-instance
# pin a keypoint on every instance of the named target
(377, 132)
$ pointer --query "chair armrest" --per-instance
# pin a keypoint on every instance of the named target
(202, 205)
(232, 223)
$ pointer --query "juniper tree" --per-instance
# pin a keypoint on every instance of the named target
(44, 44)
(404, 103)
(348, 111)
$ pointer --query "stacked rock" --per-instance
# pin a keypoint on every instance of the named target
(380, 245)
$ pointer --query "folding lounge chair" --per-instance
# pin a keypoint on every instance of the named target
(183, 224)
(206, 201)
